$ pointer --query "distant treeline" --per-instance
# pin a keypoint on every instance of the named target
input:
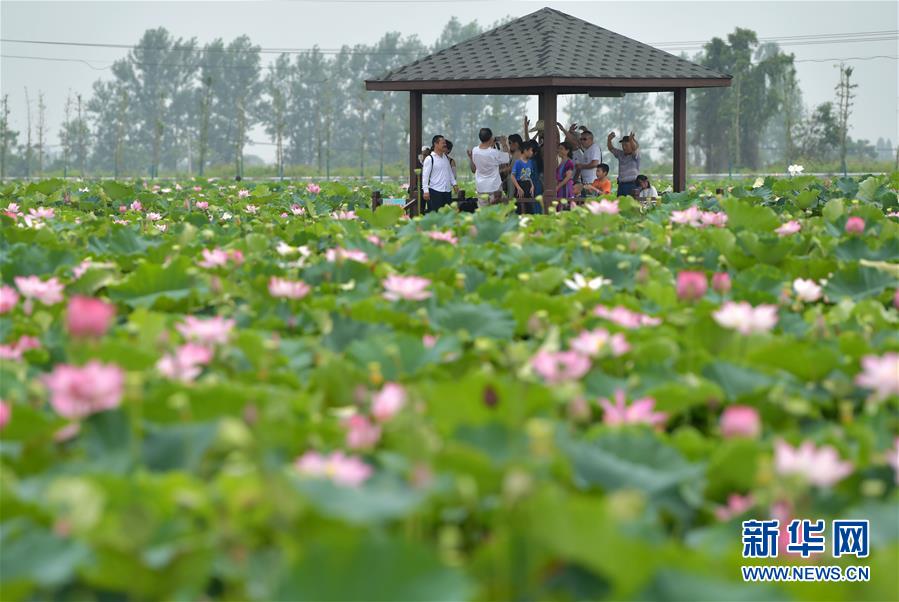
(173, 106)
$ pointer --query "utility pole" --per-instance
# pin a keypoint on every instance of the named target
(788, 101)
(80, 141)
(67, 135)
(239, 142)
(120, 131)
(4, 128)
(28, 142)
(41, 131)
(844, 105)
(157, 135)
(204, 124)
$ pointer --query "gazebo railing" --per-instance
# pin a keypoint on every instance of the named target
(465, 203)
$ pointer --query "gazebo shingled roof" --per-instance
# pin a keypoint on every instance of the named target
(496, 62)
(553, 38)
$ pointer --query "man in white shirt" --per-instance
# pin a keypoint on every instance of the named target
(487, 160)
(587, 157)
(437, 177)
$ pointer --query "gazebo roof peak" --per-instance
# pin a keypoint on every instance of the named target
(549, 47)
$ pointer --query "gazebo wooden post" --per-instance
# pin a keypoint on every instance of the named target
(540, 107)
(680, 139)
(550, 146)
(414, 144)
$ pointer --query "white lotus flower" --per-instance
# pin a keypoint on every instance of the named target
(806, 290)
(579, 282)
(795, 170)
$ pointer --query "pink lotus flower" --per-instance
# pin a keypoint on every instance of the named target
(746, 319)
(340, 254)
(411, 288)
(855, 225)
(15, 351)
(288, 289)
(560, 366)
(690, 216)
(297, 209)
(604, 206)
(348, 471)
(41, 213)
(691, 285)
(251, 209)
(624, 317)
(712, 218)
(208, 331)
(153, 216)
(8, 299)
(807, 290)
(895, 300)
(123, 208)
(880, 374)
(360, 432)
(791, 227)
(89, 317)
(721, 282)
(203, 205)
(121, 222)
(638, 412)
(214, 258)
(136, 206)
(313, 188)
(5, 414)
(893, 458)
(373, 239)
(388, 401)
(78, 391)
(197, 188)
(740, 421)
(186, 363)
(79, 270)
(592, 343)
(443, 236)
(428, 341)
(242, 194)
(344, 215)
(819, 466)
(737, 505)
(48, 292)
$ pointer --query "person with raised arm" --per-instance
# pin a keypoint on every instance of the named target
(628, 162)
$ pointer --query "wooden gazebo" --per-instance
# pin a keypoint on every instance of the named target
(563, 55)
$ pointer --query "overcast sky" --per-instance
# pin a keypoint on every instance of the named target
(332, 23)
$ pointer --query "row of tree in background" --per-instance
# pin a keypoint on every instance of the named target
(175, 107)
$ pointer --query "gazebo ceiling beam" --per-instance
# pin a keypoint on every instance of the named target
(562, 85)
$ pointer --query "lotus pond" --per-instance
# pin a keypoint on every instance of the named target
(226, 391)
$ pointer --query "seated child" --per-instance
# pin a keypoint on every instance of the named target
(602, 184)
(645, 190)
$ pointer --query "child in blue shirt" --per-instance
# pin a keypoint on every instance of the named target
(523, 174)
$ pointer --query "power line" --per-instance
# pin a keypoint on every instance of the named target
(798, 40)
(238, 67)
(848, 58)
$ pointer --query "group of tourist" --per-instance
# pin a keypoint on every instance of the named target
(513, 166)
